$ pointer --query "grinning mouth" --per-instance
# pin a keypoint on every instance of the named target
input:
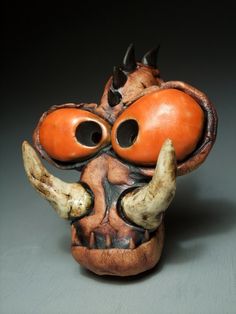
(119, 261)
(104, 240)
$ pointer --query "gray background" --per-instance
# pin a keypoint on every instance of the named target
(53, 55)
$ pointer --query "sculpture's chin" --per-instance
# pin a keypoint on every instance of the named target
(122, 262)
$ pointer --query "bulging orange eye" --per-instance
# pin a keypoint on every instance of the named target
(70, 134)
(141, 129)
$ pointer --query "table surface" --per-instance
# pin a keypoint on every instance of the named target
(196, 273)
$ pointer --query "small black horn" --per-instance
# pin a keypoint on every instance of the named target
(119, 78)
(113, 98)
(150, 58)
(129, 63)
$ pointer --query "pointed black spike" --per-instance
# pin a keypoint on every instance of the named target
(129, 63)
(113, 98)
(119, 78)
(150, 58)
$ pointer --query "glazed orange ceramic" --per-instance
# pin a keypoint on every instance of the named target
(70, 134)
(140, 131)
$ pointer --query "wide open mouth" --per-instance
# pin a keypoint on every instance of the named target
(110, 240)
(118, 261)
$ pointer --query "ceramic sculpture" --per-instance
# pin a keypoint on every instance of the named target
(128, 150)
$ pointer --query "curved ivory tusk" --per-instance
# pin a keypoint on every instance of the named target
(145, 206)
(68, 199)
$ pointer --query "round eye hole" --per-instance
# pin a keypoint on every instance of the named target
(127, 133)
(70, 134)
(139, 132)
(89, 133)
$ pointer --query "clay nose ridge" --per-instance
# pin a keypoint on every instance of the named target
(107, 177)
(104, 227)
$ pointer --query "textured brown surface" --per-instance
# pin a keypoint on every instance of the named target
(120, 262)
(138, 81)
(107, 223)
(109, 177)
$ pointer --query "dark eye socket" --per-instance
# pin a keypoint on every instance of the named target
(89, 133)
(127, 133)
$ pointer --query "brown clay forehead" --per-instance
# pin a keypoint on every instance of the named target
(137, 82)
(128, 80)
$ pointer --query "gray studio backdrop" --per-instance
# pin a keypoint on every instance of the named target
(54, 56)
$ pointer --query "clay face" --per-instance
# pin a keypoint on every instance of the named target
(128, 150)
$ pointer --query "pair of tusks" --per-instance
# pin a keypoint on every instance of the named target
(143, 206)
